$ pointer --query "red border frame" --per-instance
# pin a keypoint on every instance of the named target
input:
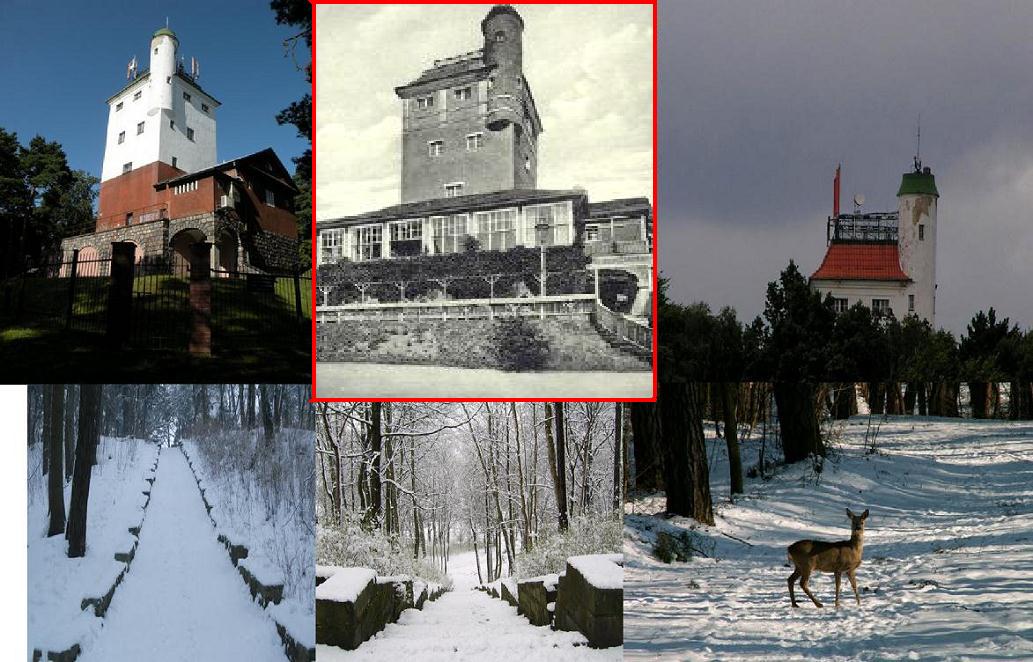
(315, 242)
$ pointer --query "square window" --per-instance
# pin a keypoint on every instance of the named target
(881, 306)
(921, 232)
(139, 128)
(839, 305)
(453, 190)
(204, 107)
(121, 137)
(423, 103)
(186, 97)
(911, 302)
(190, 134)
(175, 162)
(463, 93)
(270, 198)
(435, 147)
(129, 218)
(126, 167)
(474, 142)
(118, 106)
(137, 95)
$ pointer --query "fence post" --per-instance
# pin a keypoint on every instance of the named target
(120, 292)
(201, 298)
(71, 288)
(297, 295)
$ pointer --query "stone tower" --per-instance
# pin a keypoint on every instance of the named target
(469, 123)
(917, 199)
(160, 124)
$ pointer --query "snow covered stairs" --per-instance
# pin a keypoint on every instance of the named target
(353, 604)
(264, 593)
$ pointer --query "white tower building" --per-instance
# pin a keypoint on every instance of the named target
(917, 199)
(162, 114)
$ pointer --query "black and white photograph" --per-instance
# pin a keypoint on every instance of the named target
(484, 177)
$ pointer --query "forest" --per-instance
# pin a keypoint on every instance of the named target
(402, 487)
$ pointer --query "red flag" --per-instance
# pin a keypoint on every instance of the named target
(835, 195)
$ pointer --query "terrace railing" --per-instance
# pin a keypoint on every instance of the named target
(624, 327)
(466, 309)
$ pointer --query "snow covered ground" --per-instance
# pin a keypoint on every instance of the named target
(57, 584)
(265, 504)
(182, 598)
(376, 380)
(465, 624)
(948, 553)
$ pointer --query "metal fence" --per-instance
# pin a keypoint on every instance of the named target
(72, 295)
(249, 308)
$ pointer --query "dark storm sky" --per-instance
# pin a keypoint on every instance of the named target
(758, 101)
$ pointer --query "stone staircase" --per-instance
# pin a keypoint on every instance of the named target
(622, 345)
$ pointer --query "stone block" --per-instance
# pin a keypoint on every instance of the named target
(597, 613)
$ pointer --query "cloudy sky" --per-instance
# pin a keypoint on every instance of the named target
(589, 67)
(758, 102)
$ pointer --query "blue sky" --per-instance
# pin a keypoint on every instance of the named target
(59, 62)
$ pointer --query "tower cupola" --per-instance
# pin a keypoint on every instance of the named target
(503, 49)
(164, 45)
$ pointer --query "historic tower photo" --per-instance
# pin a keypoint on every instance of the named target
(483, 211)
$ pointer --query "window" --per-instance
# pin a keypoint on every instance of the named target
(500, 37)
(139, 128)
(491, 82)
(155, 51)
(190, 134)
(172, 124)
(911, 299)
(184, 188)
(453, 190)
(121, 137)
(129, 218)
(332, 245)
(270, 198)
(463, 93)
(592, 232)
(370, 246)
(449, 233)
(204, 107)
(527, 163)
(496, 229)
(921, 232)
(423, 103)
(118, 106)
(175, 163)
(186, 97)
(435, 147)
(555, 221)
(839, 305)
(137, 95)
(406, 238)
(474, 142)
(126, 167)
(881, 306)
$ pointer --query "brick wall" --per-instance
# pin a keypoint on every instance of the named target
(132, 192)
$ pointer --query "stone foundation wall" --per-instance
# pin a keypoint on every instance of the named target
(151, 239)
(597, 613)
(273, 252)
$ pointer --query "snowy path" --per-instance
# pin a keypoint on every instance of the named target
(182, 598)
(948, 556)
(465, 624)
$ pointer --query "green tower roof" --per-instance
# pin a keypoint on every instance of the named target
(918, 183)
(164, 31)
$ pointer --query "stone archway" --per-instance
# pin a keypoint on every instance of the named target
(181, 243)
(89, 265)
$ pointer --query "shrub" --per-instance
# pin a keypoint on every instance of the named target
(586, 534)
(519, 345)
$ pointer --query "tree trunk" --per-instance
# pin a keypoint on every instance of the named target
(250, 406)
(979, 396)
(923, 399)
(85, 452)
(69, 437)
(678, 424)
(876, 398)
(844, 401)
(267, 415)
(647, 474)
(375, 440)
(729, 402)
(561, 466)
(53, 432)
(618, 444)
(798, 420)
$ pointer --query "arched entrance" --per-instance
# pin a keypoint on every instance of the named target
(88, 266)
(226, 253)
(181, 243)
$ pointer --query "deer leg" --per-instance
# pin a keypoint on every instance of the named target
(853, 582)
(803, 585)
(837, 589)
(792, 578)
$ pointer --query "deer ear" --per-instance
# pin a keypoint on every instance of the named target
(865, 515)
(849, 514)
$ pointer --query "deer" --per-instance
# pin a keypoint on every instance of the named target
(835, 557)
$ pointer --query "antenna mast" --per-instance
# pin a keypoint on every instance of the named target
(918, 146)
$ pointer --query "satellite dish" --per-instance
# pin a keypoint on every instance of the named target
(859, 199)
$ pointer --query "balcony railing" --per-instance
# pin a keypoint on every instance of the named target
(465, 309)
(624, 327)
(878, 228)
(598, 247)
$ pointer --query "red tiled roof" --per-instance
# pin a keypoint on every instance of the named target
(860, 262)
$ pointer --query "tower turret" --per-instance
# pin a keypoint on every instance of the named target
(503, 47)
(917, 200)
(164, 45)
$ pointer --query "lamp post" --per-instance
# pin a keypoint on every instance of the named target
(542, 229)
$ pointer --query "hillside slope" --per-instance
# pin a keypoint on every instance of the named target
(948, 556)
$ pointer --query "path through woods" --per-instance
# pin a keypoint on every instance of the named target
(465, 624)
(182, 598)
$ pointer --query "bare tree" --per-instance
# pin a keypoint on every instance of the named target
(561, 467)
(53, 429)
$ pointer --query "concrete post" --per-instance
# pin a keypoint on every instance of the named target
(120, 292)
(201, 298)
